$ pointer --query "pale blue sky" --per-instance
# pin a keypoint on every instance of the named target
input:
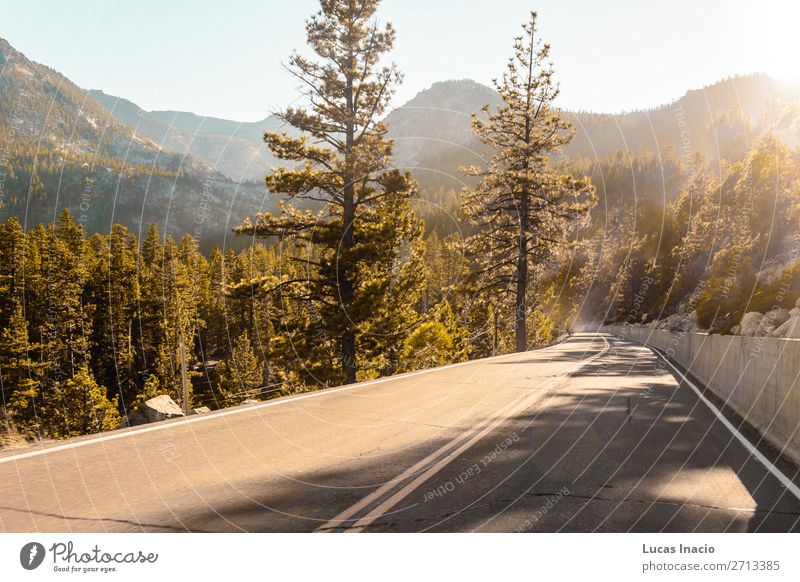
(223, 58)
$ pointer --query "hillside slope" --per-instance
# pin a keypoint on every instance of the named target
(61, 149)
(234, 149)
(433, 135)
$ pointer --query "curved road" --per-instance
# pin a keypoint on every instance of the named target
(593, 434)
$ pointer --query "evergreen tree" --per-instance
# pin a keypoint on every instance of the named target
(148, 325)
(20, 374)
(179, 318)
(214, 310)
(242, 373)
(437, 342)
(342, 161)
(522, 207)
(12, 253)
(67, 263)
(80, 406)
(114, 290)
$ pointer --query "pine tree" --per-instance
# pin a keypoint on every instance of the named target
(80, 406)
(341, 161)
(20, 374)
(148, 324)
(437, 342)
(179, 317)
(66, 263)
(522, 207)
(214, 310)
(12, 253)
(242, 373)
(113, 288)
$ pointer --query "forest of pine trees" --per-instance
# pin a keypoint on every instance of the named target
(91, 325)
(359, 275)
(718, 239)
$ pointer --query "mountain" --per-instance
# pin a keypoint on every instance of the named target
(433, 135)
(234, 149)
(433, 132)
(61, 149)
(110, 161)
(717, 121)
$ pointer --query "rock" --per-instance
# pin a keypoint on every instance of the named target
(749, 323)
(675, 322)
(789, 330)
(249, 401)
(735, 329)
(690, 322)
(685, 322)
(794, 312)
(159, 408)
(201, 410)
(772, 320)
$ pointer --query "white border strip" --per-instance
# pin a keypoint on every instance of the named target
(777, 473)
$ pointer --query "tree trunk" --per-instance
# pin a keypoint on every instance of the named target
(520, 306)
(346, 291)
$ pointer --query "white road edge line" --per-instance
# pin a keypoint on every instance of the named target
(777, 473)
(204, 417)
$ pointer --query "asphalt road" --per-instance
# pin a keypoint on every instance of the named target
(592, 434)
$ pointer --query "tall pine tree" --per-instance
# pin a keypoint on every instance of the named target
(341, 162)
(522, 208)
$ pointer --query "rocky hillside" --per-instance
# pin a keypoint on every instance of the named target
(60, 148)
(111, 161)
(433, 136)
(433, 132)
(234, 149)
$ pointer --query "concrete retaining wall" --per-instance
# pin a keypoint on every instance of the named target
(758, 377)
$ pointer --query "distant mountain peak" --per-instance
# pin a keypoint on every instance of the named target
(456, 94)
(6, 50)
(433, 134)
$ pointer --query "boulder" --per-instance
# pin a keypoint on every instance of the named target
(690, 322)
(735, 329)
(249, 401)
(686, 322)
(772, 320)
(159, 408)
(778, 316)
(201, 410)
(789, 330)
(675, 322)
(749, 323)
